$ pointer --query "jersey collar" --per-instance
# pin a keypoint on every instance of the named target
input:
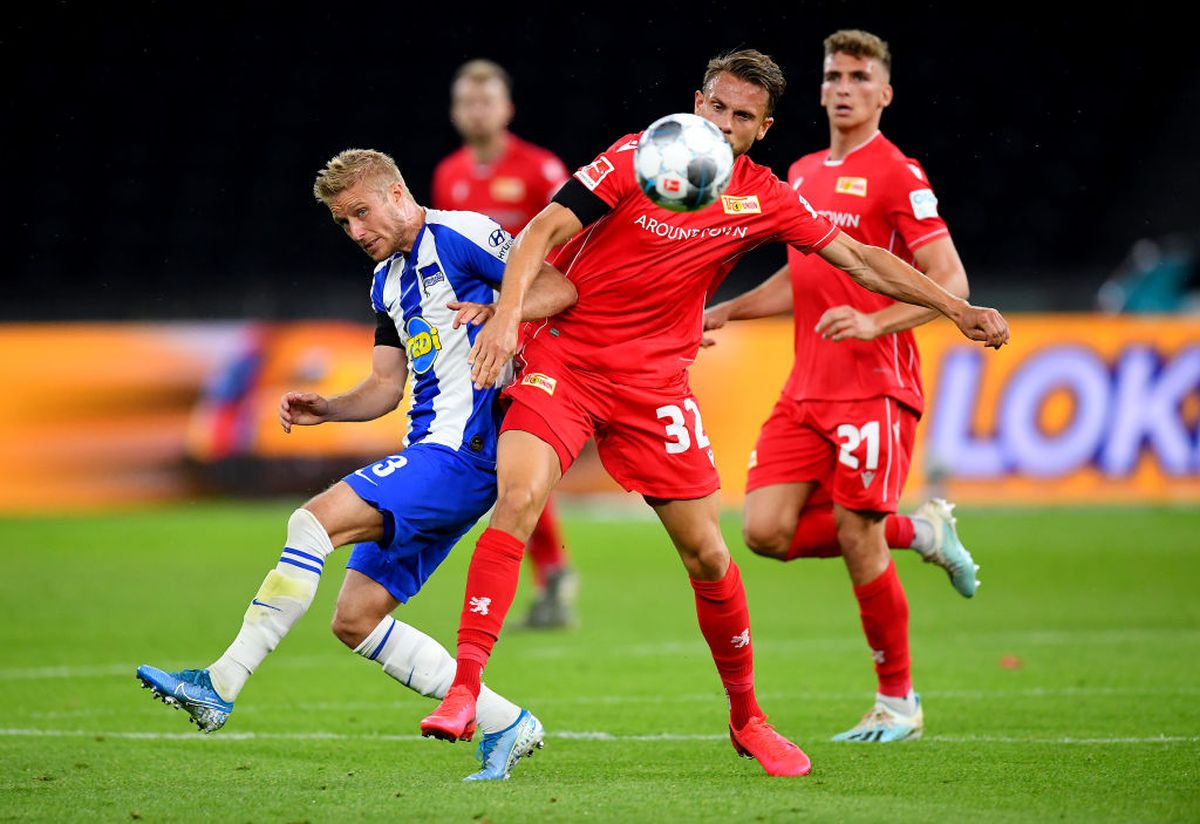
(862, 145)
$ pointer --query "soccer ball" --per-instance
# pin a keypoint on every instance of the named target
(683, 162)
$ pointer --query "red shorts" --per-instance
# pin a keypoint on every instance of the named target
(651, 440)
(859, 450)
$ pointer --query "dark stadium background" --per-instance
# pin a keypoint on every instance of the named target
(159, 156)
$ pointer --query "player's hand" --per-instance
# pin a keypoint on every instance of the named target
(494, 345)
(983, 324)
(846, 322)
(472, 313)
(714, 318)
(302, 409)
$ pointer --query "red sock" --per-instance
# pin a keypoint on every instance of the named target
(816, 533)
(725, 623)
(899, 531)
(884, 611)
(546, 544)
(491, 585)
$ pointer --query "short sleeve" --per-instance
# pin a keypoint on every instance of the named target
(385, 331)
(610, 176)
(913, 206)
(799, 225)
(473, 244)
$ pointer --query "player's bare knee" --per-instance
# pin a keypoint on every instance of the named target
(516, 509)
(707, 562)
(767, 541)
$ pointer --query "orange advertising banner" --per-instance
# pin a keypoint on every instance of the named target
(1077, 409)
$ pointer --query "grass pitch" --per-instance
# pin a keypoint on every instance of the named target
(1066, 690)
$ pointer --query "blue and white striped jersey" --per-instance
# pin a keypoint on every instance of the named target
(456, 256)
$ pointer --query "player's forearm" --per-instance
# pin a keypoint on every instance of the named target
(371, 399)
(549, 294)
(525, 263)
(881, 271)
(771, 297)
(900, 317)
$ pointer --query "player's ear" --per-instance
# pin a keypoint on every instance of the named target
(699, 102)
(886, 97)
(766, 124)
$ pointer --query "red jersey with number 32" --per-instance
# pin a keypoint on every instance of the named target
(644, 273)
(878, 196)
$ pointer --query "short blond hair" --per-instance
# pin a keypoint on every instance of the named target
(349, 168)
(860, 44)
(481, 71)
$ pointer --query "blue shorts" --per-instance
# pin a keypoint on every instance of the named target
(429, 496)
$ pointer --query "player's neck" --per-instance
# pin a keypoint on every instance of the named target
(488, 150)
(843, 141)
(414, 221)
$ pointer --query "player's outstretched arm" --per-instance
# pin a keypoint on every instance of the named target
(882, 272)
(771, 297)
(379, 394)
(940, 262)
(497, 340)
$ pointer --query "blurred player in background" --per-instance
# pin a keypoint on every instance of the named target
(827, 471)
(509, 180)
(435, 271)
(615, 365)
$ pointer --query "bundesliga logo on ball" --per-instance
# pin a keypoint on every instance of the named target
(683, 162)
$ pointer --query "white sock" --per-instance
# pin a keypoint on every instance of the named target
(423, 665)
(905, 706)
(284, 596)
(922, 536)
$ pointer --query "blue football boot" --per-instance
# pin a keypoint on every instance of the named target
(190, 690)
(500, 751)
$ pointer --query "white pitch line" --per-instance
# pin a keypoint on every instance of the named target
(566, 735)
(694, 646)
(408, 701)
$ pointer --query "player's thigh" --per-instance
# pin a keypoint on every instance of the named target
(873, 439)
(695, 530)
(429, 497)
(526, 461)
(345, 515)
(791, 449)
(654, 443)
(554, 405)
(771, 512)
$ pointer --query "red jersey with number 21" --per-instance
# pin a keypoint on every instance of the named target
(879, 196)
(644, 273)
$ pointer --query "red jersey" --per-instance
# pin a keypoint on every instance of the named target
(644, 273)
(883, 198)
(510, 191)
